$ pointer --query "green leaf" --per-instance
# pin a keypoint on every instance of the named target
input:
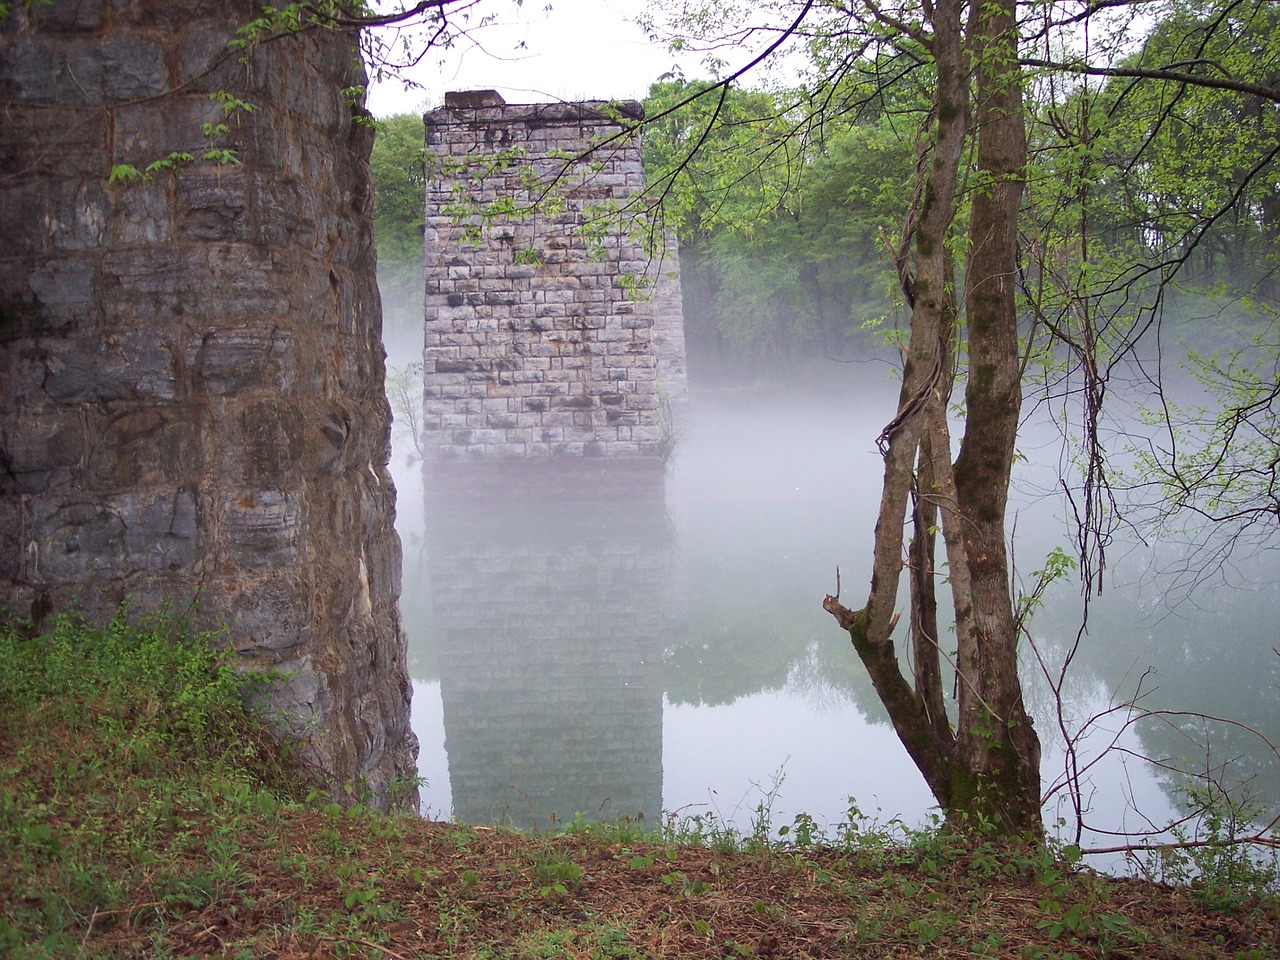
(123, 173)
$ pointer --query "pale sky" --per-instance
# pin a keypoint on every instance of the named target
(577, 50)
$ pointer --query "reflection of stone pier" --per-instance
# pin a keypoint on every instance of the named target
(549, 619)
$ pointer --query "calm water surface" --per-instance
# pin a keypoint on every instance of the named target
(671, 655)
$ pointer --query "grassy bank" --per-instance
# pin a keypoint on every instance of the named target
(144, 814)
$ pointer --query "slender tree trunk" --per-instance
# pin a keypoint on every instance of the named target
(998, 751)
(986, 770)
(915, 710)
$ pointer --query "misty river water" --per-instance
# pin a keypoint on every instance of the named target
(610, 658)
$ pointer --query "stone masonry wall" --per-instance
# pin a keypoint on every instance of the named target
(668, 325)
(191, 369)
(540, 332)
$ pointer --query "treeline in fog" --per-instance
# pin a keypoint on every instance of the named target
(1149, 203)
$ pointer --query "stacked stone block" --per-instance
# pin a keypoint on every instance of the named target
(668, 324)
(191, 369)
(540, 327)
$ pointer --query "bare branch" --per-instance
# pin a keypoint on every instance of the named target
(1155, 73)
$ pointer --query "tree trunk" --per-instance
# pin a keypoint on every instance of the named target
(913, 709)
(998, 752)
(986, 771)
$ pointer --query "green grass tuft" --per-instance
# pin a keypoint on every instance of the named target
(126, 752)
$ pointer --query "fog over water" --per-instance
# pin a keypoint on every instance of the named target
(573, 653)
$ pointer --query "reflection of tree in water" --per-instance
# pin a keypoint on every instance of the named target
(831, 673)
(1239, 697)
(1230, 758)
(754, 627)
(754, 611)
(827, 681)
(1185, 656)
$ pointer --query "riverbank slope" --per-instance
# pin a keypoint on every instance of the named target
(143, 813)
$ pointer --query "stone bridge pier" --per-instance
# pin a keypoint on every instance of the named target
(554, 329)
(191, 367)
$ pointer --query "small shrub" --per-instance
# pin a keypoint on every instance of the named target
(1216, 862)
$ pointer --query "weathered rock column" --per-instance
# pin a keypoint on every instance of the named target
(191, 368)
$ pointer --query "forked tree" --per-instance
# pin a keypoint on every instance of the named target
(984, 769)
(964, 273)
